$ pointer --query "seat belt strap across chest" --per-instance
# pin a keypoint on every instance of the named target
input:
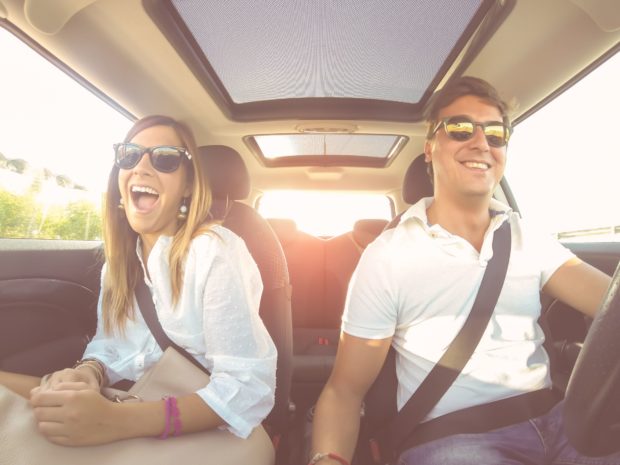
(149, 313)
(450, 365)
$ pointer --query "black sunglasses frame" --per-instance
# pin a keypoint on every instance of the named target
(182, 151)
(443, 123)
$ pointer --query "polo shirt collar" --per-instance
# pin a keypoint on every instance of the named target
(453, 244)
(418, 211)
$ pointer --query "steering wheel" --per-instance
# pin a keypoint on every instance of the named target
(592, 402)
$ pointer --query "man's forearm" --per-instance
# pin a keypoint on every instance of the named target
(336, 424)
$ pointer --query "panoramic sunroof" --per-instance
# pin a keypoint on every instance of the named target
(374, 150)
(317, 58)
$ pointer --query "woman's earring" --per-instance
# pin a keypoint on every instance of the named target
(121, 204)
(182, 216)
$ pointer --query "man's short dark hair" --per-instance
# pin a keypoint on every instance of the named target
(466, 85)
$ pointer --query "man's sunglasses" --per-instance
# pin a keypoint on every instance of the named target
(164, 158)
(462, 128)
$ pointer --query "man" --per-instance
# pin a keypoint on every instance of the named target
(415, 285)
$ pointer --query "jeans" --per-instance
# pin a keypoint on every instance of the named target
(539, 441)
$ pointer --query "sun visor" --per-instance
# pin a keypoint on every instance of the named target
(50, 17)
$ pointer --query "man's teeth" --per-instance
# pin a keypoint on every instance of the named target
(475, 164)
(144, 189)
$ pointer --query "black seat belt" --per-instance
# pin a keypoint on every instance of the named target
(149, 313)
(447, 369)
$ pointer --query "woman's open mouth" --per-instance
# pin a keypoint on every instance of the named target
(144, 198)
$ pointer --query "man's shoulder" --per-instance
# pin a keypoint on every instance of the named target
(395, 249)
(389, 239)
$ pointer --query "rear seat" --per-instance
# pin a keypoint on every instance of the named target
(342, 253)
(319, 270)
(305, 256)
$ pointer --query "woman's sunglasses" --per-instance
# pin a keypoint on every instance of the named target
(164, 158)
(462, 128)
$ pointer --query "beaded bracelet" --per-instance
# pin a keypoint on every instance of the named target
(175, 415)
(166, 432)
(328, 455)
(173, 418)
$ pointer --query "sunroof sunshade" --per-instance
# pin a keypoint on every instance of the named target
(328, 149)
(388, 50)
(295, 145)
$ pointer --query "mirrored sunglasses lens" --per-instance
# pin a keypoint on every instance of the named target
(166, 159)
(496, 135)
(460, 130)
(128, 156)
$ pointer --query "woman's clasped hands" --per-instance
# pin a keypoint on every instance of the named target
(70, 411)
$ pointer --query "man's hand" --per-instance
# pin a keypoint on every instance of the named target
(337, 419)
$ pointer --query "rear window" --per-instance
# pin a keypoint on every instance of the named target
(324, 214)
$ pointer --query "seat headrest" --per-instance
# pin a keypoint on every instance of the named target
(285, 229)
(366, 231)
(417, 184)
(228, 176)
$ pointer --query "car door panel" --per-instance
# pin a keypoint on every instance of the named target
(48, 299)
(602, 255)
(565, 327)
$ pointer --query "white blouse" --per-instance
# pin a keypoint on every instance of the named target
(215, 319)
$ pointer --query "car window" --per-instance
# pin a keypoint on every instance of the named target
(564, 160)
(324, 214)
(55, 148)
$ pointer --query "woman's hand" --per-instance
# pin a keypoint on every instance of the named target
(74, 415)
(80, 378)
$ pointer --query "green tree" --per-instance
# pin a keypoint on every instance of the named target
(77, 221)
(21, 216)
(16, 214)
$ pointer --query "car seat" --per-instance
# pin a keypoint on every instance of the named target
(230, 182)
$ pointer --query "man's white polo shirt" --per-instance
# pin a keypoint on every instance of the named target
(417, 283)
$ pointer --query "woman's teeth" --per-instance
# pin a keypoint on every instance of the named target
(144, 190)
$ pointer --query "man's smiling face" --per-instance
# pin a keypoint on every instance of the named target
(470, 168)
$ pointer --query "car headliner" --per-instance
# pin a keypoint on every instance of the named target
(538, 51)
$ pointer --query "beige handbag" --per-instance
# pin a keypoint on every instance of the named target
(22, 444)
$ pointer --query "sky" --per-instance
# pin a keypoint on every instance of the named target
(563, 161)
(48, 120)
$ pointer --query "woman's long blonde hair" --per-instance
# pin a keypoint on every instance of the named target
(123, 266)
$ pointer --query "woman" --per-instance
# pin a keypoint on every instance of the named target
(206, 290)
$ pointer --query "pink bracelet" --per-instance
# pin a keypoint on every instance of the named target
(166, 432)
(175, 415)
(173, 418)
